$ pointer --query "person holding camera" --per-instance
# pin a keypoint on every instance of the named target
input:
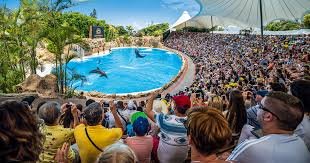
(67, 119)
(92, 137)
(55, 134)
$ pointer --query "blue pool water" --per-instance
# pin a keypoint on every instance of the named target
(126, 73)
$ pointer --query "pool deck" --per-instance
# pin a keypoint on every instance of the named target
(186, 79)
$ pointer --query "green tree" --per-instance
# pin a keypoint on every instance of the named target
(130, 30)
(283, 25)
(93, 14)
(307, 21)
(154, 30)
(121, 31)
(60, 34)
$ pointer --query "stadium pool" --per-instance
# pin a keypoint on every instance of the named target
(126, 74)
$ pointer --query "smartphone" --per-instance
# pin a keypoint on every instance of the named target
(68, 105)
(257, 133)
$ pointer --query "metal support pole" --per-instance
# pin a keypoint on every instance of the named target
(261, 20)
(212, 24)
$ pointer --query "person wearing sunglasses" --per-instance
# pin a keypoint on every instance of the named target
(279, 114)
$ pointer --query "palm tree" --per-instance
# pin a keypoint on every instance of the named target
(60, 37)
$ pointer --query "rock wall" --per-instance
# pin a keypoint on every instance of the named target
(44, 86)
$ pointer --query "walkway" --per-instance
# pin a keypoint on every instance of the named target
(186, 79)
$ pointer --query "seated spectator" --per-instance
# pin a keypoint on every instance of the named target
(28, 100)
(122, 114)
(20, 138)
(301, 89)
(66, 119)
(93, 137)
(89, 101)
(216, 102)
(277, 87)
(173, 145)
(208, 132)
(279, 115)
(55, 135)
(252, 112)
(141, 144)
(39, 120)
(236, 114)
(117, 153)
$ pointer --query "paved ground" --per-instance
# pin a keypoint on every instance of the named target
(186, 79)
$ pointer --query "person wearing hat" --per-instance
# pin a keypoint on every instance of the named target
(141, 144)
(173, 144)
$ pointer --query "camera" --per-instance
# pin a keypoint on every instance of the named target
(68, 106)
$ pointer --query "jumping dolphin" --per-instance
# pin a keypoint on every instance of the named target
(98, 71)
(138, 55)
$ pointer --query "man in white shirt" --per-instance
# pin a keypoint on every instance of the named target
(279, 115)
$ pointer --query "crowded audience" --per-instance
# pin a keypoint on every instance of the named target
(249, 102)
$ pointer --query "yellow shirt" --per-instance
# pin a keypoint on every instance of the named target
(55, 137)
(100, 135)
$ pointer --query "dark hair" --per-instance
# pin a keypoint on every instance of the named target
(182, 109)
(278, 87)
(301, 89)
(142, 104)
(236, 115)
(120, 104)
(20, 137)
(29, 99)
(93, 114)
(139, 108)
(289, 110)
(39, 105)
(89, 101)
(79, 107)
(49, 112)
(66, 118)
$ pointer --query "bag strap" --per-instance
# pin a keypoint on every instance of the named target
(92, 141)
(122, 116)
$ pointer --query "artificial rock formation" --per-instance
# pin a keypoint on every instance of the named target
(44, 86)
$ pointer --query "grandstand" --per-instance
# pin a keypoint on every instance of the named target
(245, 99)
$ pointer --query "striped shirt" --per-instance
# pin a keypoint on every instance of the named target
(173, 144)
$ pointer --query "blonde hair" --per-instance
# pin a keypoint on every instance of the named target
(117, 153)
(216, 102)
(208, 130)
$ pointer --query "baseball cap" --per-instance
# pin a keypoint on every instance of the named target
(262, 93)
(182, 101)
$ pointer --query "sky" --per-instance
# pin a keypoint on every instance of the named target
(138, 13)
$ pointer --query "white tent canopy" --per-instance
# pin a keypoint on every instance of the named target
(183, 18)
(206, 21)
(248, 11)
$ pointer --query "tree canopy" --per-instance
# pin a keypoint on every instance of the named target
(283, 25)
(154, 30)
(307, 21)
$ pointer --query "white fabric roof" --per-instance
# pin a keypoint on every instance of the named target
(257, 32)
(248, 11)
(204, 21)
(183, 18)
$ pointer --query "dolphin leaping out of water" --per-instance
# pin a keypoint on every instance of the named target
(98, 71)
(138, 55)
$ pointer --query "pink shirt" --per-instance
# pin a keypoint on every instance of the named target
(142, 146)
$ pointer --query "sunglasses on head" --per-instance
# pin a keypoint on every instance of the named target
(267, 110)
